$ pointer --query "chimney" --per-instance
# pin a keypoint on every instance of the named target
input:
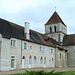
(26, 30)
(46, 37)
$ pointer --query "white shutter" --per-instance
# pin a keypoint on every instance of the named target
(22, 45)
(50, 50)
(27, 46)
(53, 50)
(43, 49)
(39, 48)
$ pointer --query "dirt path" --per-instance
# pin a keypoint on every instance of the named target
(45, 69)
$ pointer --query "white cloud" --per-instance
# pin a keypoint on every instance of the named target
(37, 12)
(15, 5)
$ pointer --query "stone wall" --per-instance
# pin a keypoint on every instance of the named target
(71, 55)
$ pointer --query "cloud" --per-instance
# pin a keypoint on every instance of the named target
(37, 12)
(15, 5)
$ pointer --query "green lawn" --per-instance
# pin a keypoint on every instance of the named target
(46, 73)
(66, 73)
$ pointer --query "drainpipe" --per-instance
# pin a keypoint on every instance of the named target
(21, 54)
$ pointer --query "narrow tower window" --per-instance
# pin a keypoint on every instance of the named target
(55, 28)
(50, 30)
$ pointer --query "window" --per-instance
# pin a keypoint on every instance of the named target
(13, 43)
(54, 28)
(50, 30)
(34, 59)
(30, 47)
(51, 51)
(12, 61)
(12, 57)
(52, 61)
(25, 46)
(60, 55)
(41, 60)
(62, 28)
(30, 60)
(44, 60)
(41, 49)
(23, 57)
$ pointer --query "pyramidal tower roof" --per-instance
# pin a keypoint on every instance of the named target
(55, 18)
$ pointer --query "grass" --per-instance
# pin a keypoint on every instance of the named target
(46, 73)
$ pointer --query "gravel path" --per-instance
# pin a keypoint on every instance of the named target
(37, 69)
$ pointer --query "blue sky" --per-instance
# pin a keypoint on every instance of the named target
(37, 12)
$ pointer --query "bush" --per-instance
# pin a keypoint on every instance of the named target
(37, 73)
(46, 73)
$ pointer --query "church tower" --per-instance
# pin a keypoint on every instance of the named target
(55, 28)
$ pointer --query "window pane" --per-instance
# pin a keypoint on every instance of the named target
(12, 63)
(34, 59)
(45, 60)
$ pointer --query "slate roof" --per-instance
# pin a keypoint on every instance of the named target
(11, 30)
(55, 18)
(69, 40)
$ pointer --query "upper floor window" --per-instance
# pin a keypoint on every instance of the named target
(54, 28)
(24, 46)
(13, 43)
(51, 50)
(30, 47)
(50, 30)
(41, 49)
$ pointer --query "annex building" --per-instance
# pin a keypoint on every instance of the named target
(21, 47)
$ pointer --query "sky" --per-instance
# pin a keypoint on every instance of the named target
(37, 12)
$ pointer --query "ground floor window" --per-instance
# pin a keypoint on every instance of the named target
(34, 59)
(45, 60)
(12, 61)
(50, 63)
(30, 60)
(41, 60)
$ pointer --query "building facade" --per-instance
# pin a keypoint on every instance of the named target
(21, 47)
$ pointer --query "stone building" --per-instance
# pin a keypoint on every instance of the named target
(21, 47)
(69, 44)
